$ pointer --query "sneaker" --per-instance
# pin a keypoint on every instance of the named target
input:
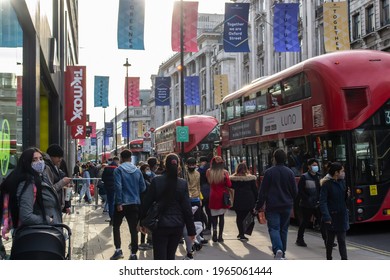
(189, 257)
(206, 232)
(133, 257)
(279, 255)
(144, 246)
(117, 255)
(301, 243)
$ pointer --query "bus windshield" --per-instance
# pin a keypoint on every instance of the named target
(371, 142)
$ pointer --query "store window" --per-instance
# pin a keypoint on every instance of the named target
(11, 69)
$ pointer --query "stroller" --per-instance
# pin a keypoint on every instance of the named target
(41, 242)
(196, 245)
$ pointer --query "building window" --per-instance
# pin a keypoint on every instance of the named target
(356, 28)
(385, 12)
(370, 19)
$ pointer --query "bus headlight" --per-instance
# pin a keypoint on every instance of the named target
(360, 210)
(359, 201)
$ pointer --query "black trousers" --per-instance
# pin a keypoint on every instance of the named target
(165, 242)
(240, 216)
(130, 212)
(306, 216)
(341, 235)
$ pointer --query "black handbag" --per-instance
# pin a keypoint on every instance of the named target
(150, 222)
(226, 199)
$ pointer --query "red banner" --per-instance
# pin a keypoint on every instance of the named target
(132, 89)
(93, 133)
(190, 26)
(78, 131)
(19, 91)
(75, 95)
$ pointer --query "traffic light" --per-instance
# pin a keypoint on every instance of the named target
(79, 148)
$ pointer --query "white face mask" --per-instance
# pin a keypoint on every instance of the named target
(38, 166)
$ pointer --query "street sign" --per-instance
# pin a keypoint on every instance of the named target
(182, 134)
(146, 134)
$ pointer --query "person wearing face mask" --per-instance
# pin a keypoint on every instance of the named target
(309, 195)
(333, 206)
(38, 201)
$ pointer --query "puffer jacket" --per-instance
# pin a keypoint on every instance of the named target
(309, 190)
(177, 212)
(245, 192)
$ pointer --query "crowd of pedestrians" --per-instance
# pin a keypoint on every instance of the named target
(196, 195)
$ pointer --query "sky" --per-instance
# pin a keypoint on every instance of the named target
(99, 53)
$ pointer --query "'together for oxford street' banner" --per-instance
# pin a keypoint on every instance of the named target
(190, 26)
(131, 19)
(336, 33)
(235, 32)
(101, 91)
(162, 91)
(286, 27)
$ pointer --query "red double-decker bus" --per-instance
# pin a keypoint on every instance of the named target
(334, 107)
(204, 137)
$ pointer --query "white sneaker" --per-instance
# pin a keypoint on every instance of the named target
(279, 255)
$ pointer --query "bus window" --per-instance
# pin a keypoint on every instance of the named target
(261, 100)
(237, 108)
(249, 105)
(230, 111)
(275, 95)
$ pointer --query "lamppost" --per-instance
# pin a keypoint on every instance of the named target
(127, 65)
(182, 73)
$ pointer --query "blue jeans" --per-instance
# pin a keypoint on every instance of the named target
(278, 223)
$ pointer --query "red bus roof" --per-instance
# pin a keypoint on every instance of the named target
(199, 127)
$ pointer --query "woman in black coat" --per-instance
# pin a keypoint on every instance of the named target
(172, 194)
(245, 194)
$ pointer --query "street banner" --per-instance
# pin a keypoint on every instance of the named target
(106, 141)
(286, 27)
(336, 33)
(93, 132)
(162, 91)
(19, 91)
(132, 88)
(75, 95)
(81, 142)
(109, 129)
(93, 141)
(235, 31)
(11, 34)
(140, 131)
(191, 91)
(124, 130)
(131, 18)
(78, 131)
(101, 91)
(190, 26)
(221, 87)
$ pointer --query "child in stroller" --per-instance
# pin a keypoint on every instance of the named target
(191, 247)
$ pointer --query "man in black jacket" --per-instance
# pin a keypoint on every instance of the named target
(109, 185)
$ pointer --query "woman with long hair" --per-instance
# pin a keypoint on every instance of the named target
(171, 192)
(245, 194)
(37, 201)
(219, 181)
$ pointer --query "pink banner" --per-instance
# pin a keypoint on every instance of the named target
(190, 26)
(132, 88)
(78, 131)
(93, 133)
(82, 142)
(19, 92)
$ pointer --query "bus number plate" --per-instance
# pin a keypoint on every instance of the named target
(373, 190)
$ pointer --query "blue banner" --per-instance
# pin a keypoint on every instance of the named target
(191, 91)
(124, 130)
(286, 27)
(11, 34)
(235, 31)
(162, 91)
(131, 19)
(109, 129)
(101, 91)
(93, 141)
(106, 141)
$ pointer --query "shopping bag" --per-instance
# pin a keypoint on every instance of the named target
(248, 224)
(261, 218)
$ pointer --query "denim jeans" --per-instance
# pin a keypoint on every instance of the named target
(278, 223)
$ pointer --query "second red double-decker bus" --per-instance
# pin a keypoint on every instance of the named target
(334, 107)
(203, 137)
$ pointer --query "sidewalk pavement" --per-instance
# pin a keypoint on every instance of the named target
(92, 240)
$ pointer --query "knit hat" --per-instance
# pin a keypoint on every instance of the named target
(55, 150)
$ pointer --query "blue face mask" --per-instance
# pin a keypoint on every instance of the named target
(314, 168)
(148, 173)
(38, 166)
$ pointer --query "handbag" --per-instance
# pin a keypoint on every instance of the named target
(226, 199)
(150, 222)
(248, 224)
(261, 217)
